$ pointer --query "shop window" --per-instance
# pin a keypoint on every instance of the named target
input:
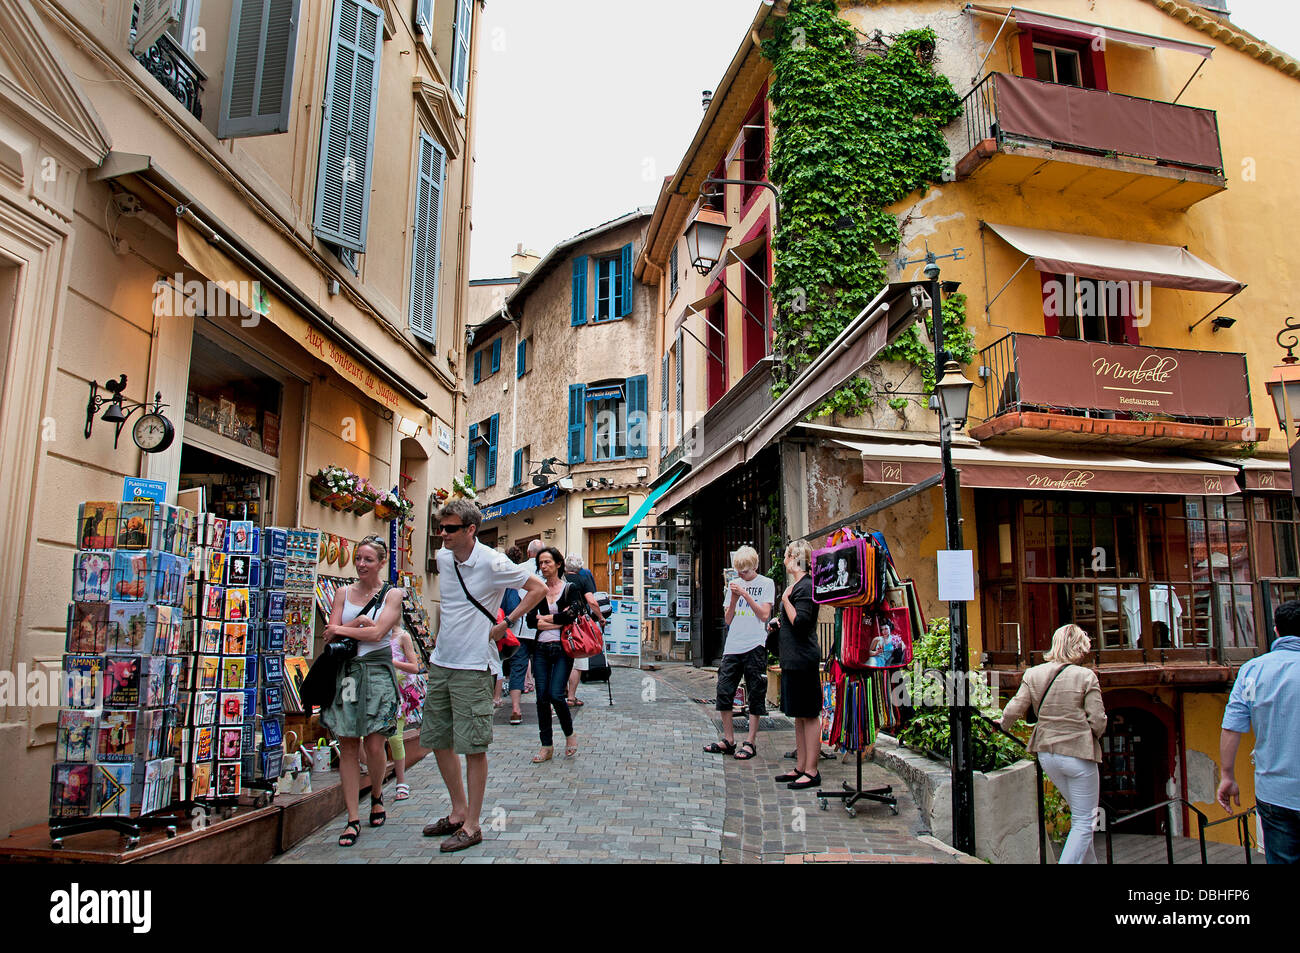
(232, 399)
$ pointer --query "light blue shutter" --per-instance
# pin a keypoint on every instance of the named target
(258, 83)
(347, 141)
(521, 358)
(679, 420)
(424, 18)
(638, 420)
(663, 406)
(578, 312)
(518, 474)
(478, 366)
(460, 48)
(492, 451)
(472, 462)
(496, 355)
(625, 281)
(577, 422)
(426, 258)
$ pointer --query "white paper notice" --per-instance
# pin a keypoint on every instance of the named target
(956, 575)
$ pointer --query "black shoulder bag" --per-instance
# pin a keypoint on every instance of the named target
(1032, 717)
(318, 686)
(503, 650)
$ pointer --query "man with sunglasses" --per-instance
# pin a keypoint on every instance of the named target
(458, 705)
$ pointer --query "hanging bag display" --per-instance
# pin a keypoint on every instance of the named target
(845, 571)
(876, 638)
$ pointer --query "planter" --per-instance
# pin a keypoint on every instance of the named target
(1006, 802)
(362, 506)
(384, 512)
(318, 490)
(340, 501)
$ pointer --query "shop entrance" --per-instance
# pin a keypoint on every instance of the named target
(598, 558)
(1134, 768)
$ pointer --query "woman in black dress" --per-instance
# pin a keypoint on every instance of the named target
(801, 687)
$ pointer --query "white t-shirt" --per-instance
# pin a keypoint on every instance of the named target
(746, 632)
(463, 641)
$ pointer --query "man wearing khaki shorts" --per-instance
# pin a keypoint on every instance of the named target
(458, 702)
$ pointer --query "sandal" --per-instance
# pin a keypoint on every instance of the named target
(377, 820)
(539, 759)
(516, 718)
(808, 781)
(571, 751)
(574, 702)
(350, 833)
(788, 777)
(721, 747)
(745, 746)
(403, 792)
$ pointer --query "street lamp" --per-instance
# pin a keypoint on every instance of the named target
(1284, 387)
(954, 394)
(704, 239)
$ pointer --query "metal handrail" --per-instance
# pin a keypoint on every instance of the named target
(1243, 828)
(1201, 822)
(1042, 793)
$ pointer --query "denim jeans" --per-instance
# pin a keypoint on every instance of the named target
(551, 668)
(519, 664)
(1281, 833)
(1080, 783)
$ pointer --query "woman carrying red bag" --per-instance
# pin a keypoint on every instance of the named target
(563, 604)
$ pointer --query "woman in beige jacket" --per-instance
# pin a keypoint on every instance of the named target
(1071, 718)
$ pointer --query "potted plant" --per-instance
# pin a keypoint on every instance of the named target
(364, 496)
(329, 485)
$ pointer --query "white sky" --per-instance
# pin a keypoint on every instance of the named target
(585, 105)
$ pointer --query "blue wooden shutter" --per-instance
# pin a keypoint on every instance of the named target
(625, 281)
(663, 406)
(521, 358)
(577, 422)
(679, 419)
(517, 476)
(347, 141)
(256, 90)
(460, 48)
(638, 420)
(471, 464)
(424, 18)
(496, 355)
(478, 366)
(491, 479)
(578, 312)
(426, 263)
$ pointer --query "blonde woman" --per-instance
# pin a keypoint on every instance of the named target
(801, 658)
(749, 606)
(1071, 719)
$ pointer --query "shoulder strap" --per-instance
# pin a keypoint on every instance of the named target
(478, 605)
(376, 599)
(1039, 706)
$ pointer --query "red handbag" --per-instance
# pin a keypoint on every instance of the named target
(581, 638)
(876, 639)
(509, 642)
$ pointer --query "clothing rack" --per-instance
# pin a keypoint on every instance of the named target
(859, 704)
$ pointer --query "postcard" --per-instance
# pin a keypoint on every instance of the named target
(112, 794)
(130, 624)
(83, 681)
(97, 525)
(236, 605)
(228, 779)
(236, 638)
(201, 783)
(77, 736)
(239, 536)
(203, 741)
(133, 525)
(232, 708)
(216, 567)
(205, 708)
(228, 745)
(130, 575)
(87, 629)
(92, 576)
(232, 672)
(209, 672)
(214, 602)
(70, 790)
(237, 569)
(117, 731)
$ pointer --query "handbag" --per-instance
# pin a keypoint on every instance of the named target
(876, 639)
(505, 648)
(845, 571)
(1031, 716)
(318, 685)
(581, 638)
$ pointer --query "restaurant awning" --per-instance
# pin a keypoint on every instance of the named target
(518, 504)
(1089, 31)
(1261, 474)
(991, 468)
(1110, 259)
(627, 535)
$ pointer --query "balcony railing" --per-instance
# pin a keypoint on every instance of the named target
(1013, 108)
(1028, 372)
(172, 67)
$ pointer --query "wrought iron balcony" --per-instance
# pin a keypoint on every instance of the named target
(1042, 133)
(172, 67)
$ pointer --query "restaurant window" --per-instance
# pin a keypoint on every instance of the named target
(1088, 309)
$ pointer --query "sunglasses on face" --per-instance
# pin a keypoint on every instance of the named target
(450, 527)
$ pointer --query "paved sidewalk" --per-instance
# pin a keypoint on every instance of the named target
(641, 789)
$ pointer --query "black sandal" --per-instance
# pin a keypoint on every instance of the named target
(788, 777)
(721, 747)
(809, 781)
(377, 820)
(350, 833)
(745, 746)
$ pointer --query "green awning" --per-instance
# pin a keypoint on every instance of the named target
(627, 534)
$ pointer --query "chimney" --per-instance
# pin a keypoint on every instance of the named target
(523, 261)
(706, 99)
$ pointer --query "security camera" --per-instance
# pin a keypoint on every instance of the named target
(921, 299)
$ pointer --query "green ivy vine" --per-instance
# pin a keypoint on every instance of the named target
(857, 129)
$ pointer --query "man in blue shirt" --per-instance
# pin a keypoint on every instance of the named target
(1266, 697)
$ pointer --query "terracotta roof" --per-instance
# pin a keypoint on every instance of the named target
(1229, 34)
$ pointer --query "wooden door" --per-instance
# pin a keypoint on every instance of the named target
(598, 558)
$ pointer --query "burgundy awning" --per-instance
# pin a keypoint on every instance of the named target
(1090, 31)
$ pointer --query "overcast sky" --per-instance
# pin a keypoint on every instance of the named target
(585, 105)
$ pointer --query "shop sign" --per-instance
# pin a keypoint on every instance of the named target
(134, 490)
(605, 506)
(1058, 372)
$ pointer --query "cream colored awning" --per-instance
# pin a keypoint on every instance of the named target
(1110, 259)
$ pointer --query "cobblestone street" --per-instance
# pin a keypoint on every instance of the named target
(639, 790)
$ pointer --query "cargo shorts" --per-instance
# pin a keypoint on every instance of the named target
(458, 710)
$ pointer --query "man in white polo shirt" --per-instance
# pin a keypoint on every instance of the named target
(458, 702)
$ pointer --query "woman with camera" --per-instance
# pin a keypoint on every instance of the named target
(365, 706)
(563, 604)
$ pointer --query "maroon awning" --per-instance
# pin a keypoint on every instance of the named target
(1091, 31)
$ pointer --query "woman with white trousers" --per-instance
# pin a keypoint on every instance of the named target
(1071, 719)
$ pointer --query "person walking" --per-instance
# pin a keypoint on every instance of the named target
(1071, 720)
(458, 697)
(563, 604)
(365, 706)
(523, 657)
(749, 606)
(581, 577)
(407, 665)
(801, 684)
(1266, 698)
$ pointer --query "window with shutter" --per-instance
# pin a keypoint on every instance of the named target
(638, 418)
(672, 273)
(517, 470)
(460, 49)
(496, 355)
(471, 463)
(663, 406)
(521, 358)
(578, 304)
(493, 424)
(348, 125)
(258, 84)
(679, 419)
(424, 19)
(577, 422)
(625, 281)
(426, 258)
(155, 18)
(478, 366)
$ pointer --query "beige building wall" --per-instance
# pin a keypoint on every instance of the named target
(84, 127)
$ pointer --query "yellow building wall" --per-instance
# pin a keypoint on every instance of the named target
(1202, 718)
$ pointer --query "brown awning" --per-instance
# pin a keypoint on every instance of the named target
(989, 468)
(1090, 31)
(718, 465)
(1110, 259)
(1262, 474)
